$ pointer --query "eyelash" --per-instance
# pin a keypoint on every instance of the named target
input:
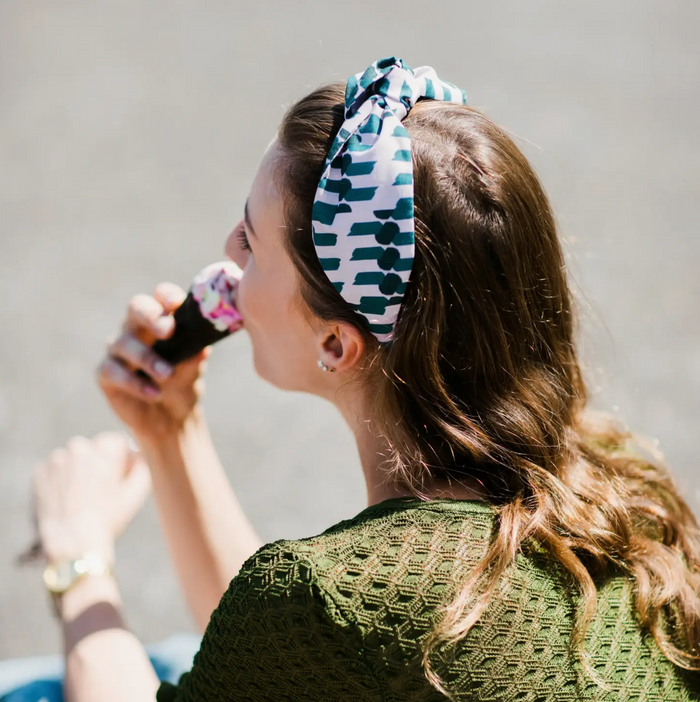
(243, 240)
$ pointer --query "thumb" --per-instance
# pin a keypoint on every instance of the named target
(188, 371)
(136, 487)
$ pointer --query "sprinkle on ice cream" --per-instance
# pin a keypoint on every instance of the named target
(214, 289)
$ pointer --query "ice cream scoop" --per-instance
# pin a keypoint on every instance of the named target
(207, 315)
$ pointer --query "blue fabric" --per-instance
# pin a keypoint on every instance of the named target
(40, 678)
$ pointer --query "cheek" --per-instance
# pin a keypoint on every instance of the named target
(247, 298)
(282, 340)
(265, 307)
(258, 301)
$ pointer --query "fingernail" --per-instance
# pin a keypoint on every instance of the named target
(162, 368)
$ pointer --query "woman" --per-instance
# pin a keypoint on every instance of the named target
(513, 547)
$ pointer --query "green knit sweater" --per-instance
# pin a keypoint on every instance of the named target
(341, 616)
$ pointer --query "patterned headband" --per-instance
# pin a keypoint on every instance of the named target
(362, 219)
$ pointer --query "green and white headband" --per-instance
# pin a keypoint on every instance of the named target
(362, 221)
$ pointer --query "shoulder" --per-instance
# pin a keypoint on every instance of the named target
(382, 559)
(397, 550)
(376, 532)
(277, 635)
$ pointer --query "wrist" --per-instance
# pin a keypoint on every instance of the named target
(88, 591)
(194, 424)
(67, 543)
(165, 449)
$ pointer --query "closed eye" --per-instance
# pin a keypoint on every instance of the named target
(243, 240)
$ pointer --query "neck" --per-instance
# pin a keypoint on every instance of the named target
(374, 449)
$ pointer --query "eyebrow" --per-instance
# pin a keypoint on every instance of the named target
(246, 217)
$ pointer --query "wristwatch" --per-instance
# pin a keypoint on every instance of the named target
(61, 574)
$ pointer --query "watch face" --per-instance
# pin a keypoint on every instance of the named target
(59, 576)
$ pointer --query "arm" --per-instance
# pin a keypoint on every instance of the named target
(104, 660)
(84, 495)
(207, 532)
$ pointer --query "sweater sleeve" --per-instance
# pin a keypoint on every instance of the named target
(276, 635)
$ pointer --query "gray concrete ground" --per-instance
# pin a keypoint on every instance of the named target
(129, 134)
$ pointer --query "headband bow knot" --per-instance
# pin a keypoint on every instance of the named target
(362, 220)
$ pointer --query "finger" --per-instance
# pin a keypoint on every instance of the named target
(133, 491)
(190, 370)
(169, 295)
(79, 444)
(131, 443)
(113, 444)
(120, 449)
(121, 439)
(137, 484)
(112, 373)
(145, 313)
(112, 438)
(58, 457)
(79, 448)
(139, 355)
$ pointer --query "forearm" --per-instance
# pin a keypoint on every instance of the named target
(207, 531)
(104, 660)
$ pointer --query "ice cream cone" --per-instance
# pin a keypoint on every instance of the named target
(207, 315)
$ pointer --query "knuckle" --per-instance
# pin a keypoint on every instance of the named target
(113, 346)
(133, 349)
(135, 303)
(58, 455)
(111, 371)
(142, 306)
(78, 443)
(107, 436)
(169, 292)
(163, 289)
(100, 369)
(129, 348)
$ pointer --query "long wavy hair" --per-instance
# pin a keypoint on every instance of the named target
(483, 379)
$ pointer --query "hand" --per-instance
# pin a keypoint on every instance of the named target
(86, 493)
(156, 407)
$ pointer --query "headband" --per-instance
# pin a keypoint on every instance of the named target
(362, 220)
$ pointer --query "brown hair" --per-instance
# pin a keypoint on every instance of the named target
(483, 379)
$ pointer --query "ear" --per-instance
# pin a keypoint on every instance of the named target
(342, 347)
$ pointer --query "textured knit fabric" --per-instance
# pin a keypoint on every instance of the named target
(341, 616)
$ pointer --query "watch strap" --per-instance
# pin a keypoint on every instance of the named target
(88, 564)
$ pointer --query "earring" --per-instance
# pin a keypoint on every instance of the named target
(324, 367)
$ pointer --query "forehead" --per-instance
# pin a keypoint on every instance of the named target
(265, 196)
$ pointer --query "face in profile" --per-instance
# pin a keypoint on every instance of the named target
(285, 346)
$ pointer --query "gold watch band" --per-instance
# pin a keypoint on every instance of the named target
(61, 574)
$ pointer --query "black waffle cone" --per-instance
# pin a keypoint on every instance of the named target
(192, 333)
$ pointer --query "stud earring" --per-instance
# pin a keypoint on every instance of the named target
(324, 367)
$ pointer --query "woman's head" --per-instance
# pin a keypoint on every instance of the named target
(483, 362)
(482, 378)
